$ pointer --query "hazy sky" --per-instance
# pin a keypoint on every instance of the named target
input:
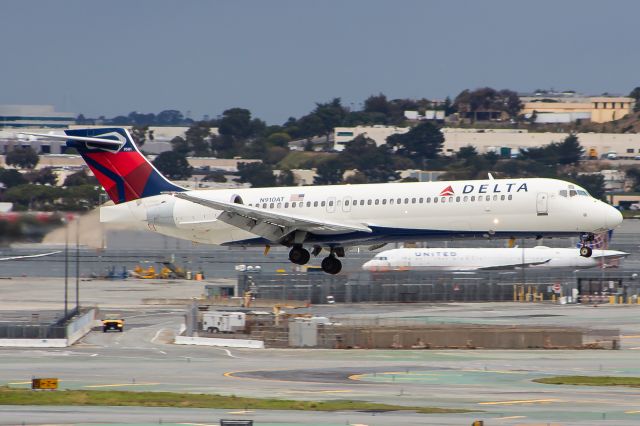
(277, 58)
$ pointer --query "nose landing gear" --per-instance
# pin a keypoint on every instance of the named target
(585, 250)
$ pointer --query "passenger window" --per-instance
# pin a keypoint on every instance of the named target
(413, 200)
(488, 198)
(563, 193)
(369, 202)
(428, 199)
(473, 198)
(451, 199)
(362, 202)
(315, 204)
(421, 200)
(443, 200)
(384, 201)
(399, 200)
(377, 201)
(331, 203)
(271, 205)
(435, 199)
(308, 203)
(406, 201)
(502, 197)
(465, 199)
(391, 200)
(346, 202)
(510, 197)
(457, 199)
(495, 198)
(264, 205)
(293, 204)
(323, 203)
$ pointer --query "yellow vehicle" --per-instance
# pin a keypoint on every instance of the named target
(112, 324)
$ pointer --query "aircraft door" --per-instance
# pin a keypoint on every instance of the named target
(542, 204)
(331, 205)
(346, 204)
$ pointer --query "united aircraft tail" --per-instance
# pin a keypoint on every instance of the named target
(117, 163)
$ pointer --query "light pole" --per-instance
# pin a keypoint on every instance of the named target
(77, 265)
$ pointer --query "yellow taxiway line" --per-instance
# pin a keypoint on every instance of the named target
(120, 385)
(519, 401)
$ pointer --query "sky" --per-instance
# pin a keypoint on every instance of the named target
(279, 57)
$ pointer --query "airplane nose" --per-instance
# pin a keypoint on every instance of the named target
(613, 217)
(367, 266)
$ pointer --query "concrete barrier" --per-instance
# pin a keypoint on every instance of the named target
(80, 326)
(33, 343)
(229, 343)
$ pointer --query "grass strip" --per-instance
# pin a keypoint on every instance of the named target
(12, 396)
(633, 382)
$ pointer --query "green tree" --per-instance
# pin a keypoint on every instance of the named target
(421, 143)
(80, 178)
(173, 165)
(11, 177)
(635, 94)
(197, 139)
(569, 151)
(258, 175)
(139, 134)
(44, 176)
(331, 115)
(376, 163)
(180, 145)
(33, 197)
(633, 174)
(286, 178)
(23, 158)
(487, 99)
(329, 172)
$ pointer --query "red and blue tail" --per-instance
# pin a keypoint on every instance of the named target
(120, 168)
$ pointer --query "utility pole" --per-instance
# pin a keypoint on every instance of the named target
(77, 265)
(66, 266)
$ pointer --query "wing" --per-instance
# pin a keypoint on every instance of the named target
(29, 256)
(274, 226)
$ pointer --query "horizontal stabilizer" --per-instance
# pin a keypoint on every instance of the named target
(110, 144)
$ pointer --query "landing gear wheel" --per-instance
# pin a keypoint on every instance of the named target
(299, 256)
(331, 265)
(585, 251)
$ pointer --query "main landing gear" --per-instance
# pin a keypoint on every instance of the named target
(330, 264)
(585, 250)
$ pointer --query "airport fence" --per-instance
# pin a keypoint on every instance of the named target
(406, 286)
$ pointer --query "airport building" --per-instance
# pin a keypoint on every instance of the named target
(379, 134)
(568, 107)
(21, 116)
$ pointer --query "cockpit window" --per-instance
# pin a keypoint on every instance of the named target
(563, 192)
(572, 193)
(581, 192)
(381, 258)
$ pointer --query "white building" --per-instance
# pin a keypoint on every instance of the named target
(21, 116)
(379, 134)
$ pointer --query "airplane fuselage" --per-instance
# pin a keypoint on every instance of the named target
(468, 259)
(500, 208)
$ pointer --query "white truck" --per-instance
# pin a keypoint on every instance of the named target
(223, 322)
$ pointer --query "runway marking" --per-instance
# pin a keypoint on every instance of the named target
(495, 371)
(510, 417)
(632, 412)
(157, 334)
(240, 412)
(199, 424)
(321, 391)
(630, 336)
(121, 384)
(521, 401)
(228, 352)
(23, 383)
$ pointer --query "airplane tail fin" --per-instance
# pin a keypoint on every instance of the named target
(117, 163)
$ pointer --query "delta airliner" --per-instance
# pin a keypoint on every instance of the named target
(334, 218)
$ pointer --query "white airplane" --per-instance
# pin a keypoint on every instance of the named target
(333, 217)
(471, 259)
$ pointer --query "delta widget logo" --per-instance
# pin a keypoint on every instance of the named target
(447, 191)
